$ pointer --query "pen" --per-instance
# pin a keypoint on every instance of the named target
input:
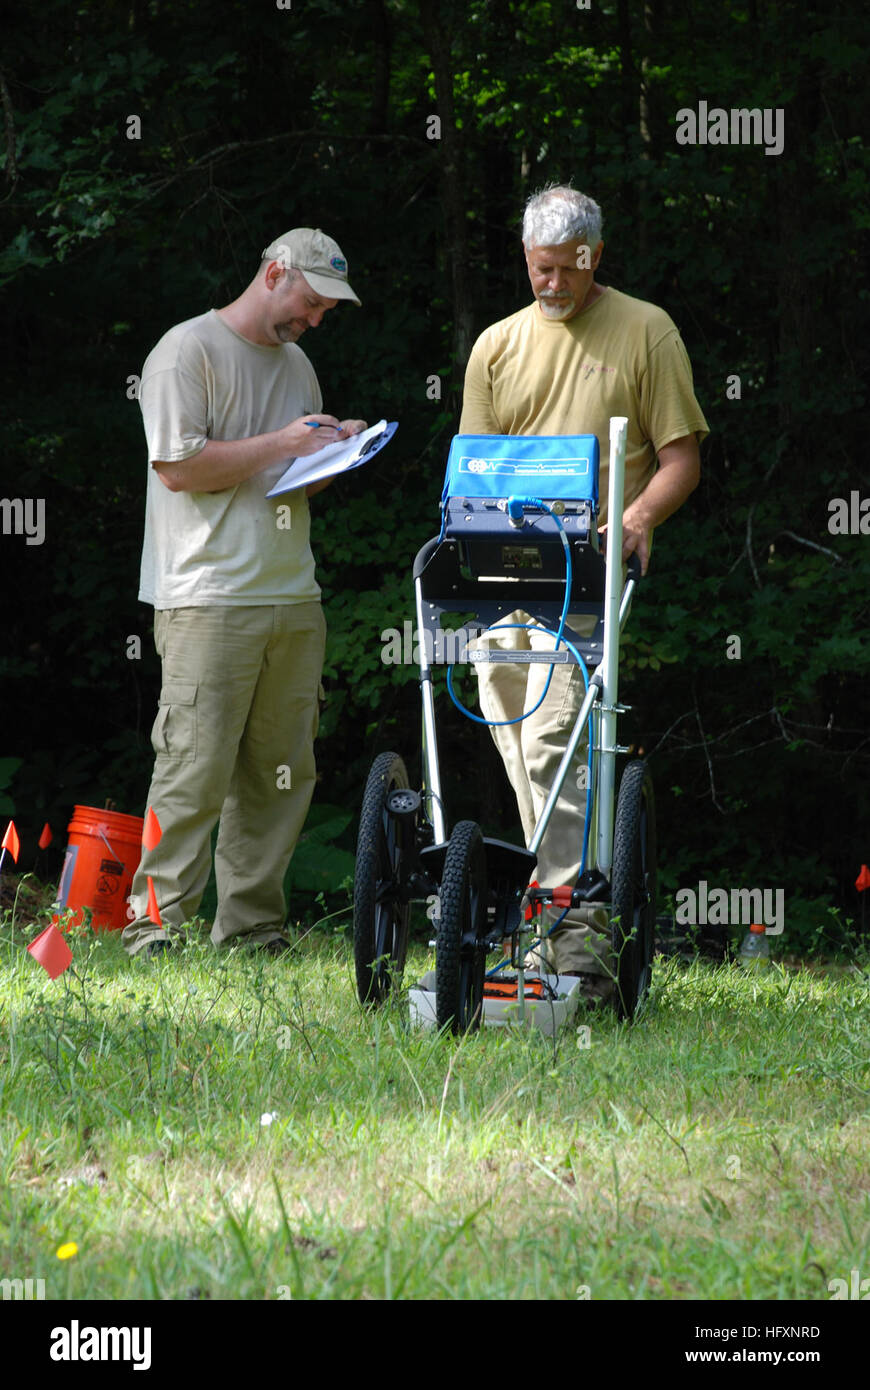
(316, 425)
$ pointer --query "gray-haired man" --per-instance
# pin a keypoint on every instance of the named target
(228, 398)
(580, 354)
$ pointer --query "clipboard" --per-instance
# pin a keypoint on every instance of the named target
(335, 458)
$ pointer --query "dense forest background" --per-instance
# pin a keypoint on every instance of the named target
(254, 117)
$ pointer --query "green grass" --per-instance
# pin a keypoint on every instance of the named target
(716, 1149)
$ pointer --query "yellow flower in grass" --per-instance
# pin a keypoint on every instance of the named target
(67, 1250)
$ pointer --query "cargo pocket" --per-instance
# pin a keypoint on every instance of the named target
(567, 680)
(570, 693)
(174, 732)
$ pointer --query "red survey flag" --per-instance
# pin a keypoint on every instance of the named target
(46, 837)
(11, 841)
(863, 879)
(153, 909)
(52, 952)
(151, 832)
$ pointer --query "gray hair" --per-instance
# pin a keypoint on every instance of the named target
(558, 213)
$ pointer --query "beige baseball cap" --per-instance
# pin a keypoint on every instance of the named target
(318, 257)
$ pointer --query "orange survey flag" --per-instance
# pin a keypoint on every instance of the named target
(46, 837)
(52, 952)
(151, 832)
(153, 909)
(11, 841)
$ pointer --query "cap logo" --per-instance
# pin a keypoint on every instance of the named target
(338, 263)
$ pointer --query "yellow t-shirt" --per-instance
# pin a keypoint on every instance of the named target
(528, 374)
(205, 381)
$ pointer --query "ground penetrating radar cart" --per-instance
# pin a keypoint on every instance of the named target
(518, 532)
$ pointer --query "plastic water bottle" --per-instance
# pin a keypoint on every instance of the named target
(755, 948)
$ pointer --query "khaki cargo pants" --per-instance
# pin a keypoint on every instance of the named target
(233, 741)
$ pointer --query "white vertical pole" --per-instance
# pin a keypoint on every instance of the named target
(610, 661)
(435, 811)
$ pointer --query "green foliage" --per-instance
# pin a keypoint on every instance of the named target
(8, 768)
(106, 241)
(319, 864)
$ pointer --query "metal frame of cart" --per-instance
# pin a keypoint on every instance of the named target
(405, 849)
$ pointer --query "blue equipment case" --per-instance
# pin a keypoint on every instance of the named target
(484, 470)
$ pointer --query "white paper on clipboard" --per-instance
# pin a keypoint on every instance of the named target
(335, 458)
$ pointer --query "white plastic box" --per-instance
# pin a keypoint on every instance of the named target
(548, 1015)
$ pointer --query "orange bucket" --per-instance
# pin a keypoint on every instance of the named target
(102, 855)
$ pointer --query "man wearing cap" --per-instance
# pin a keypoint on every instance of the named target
(228, 399)
(579, 354)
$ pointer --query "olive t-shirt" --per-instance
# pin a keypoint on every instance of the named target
(528, 374)
(234, 547)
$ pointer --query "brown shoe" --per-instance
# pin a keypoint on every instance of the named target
(278, 946)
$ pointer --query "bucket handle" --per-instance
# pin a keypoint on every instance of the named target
(100, 831)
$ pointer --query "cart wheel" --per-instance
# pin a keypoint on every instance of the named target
(380, 914)
(634, 887)
(462, 927)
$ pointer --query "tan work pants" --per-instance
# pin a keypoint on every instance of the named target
(234, 741)
(531, 752)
